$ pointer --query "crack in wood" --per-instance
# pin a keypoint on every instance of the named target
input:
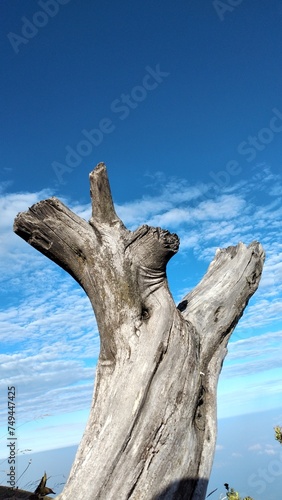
(158, 359)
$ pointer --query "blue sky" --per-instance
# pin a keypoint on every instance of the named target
(182, 101)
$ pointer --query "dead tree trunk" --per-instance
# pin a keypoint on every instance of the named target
(152, 426)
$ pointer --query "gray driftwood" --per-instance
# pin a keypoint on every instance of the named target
(152, 427)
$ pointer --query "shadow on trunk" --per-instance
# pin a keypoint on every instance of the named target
(185, 489)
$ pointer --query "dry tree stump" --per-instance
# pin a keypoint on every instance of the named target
(151, 432)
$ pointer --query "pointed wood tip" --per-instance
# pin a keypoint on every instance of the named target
(258, 249)
(102, 203)
(99, 167)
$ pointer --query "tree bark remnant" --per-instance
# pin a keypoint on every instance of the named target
(151, 432)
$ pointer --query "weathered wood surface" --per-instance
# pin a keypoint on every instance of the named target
(152, 427)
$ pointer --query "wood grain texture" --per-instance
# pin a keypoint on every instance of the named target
(152, 427)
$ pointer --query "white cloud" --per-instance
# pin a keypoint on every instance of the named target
(255, 356)
(51, 339)
(263, 449)
(255, 447)
(219, 447)
(270, 450)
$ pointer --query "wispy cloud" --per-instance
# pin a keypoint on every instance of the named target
(50, 342)
(47, 323)
(219, 447)
(263, 449)
(251, 374)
